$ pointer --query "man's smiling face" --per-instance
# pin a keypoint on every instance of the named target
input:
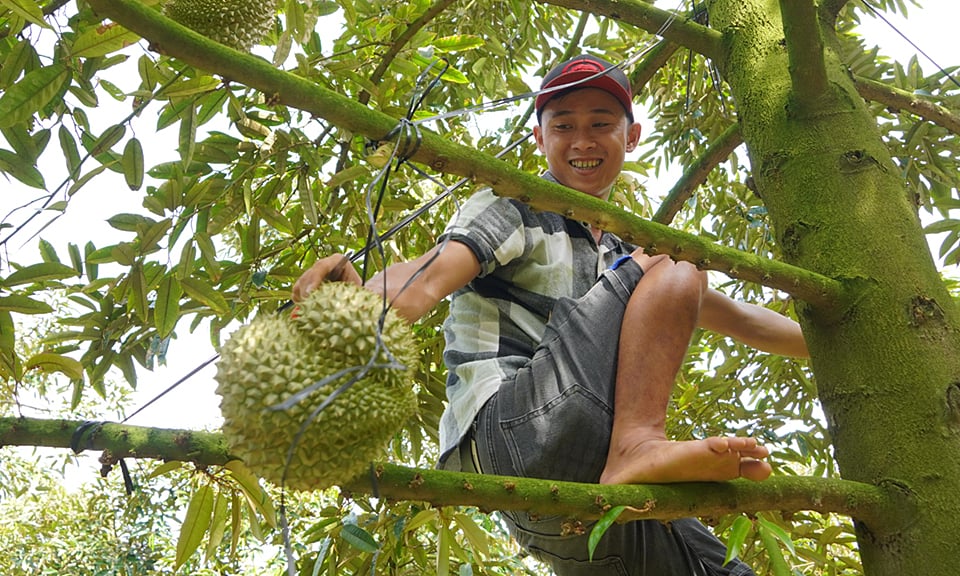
(585, 136)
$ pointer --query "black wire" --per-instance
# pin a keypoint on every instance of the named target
(879, 15)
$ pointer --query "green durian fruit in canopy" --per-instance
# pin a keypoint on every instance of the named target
(337, 330)
(240, 24)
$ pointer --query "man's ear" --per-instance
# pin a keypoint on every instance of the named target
(538, 136)
(633, 136)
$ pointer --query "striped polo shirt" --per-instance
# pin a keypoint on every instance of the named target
(528, 260)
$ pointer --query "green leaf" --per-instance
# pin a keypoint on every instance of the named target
(17, 60)
(738, 535)
(32, 93)
(8, 340)
(101, 40)
(165, 467)
(345, 175)
(24, 305)
(190, 87)
(48, 362)
(779, 533)
(48, 252)
(188, 134)
(39, 273)
(474, 534)
(167, 307)
(27, 10)
(443, 551)
(359, 538)
(255, 494)
(151, 235)
(75, 259)
(306, 200)
(133, 163)
(137, 296)
(458, 42)
(86, 178)
(91, 268)
(22, 143)
(945, 225)
(218, 526)
(778, 564)
(205, 294)
(70, 151)
(110, 136)
(601, 527)
(195, 524)
(129, 222)
(21, 168)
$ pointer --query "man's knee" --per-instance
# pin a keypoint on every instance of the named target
(681, 279)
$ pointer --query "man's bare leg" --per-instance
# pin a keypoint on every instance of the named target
(655, 334)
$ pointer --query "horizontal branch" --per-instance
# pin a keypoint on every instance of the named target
(880, 509)
(445, 156)
(644, 15)
(898, 99)
(696, 174)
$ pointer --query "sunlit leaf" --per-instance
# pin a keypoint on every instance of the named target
(218, 525)
(29, 11)
(250, 485)
(601, 527)
(738, 535)
(195, 524)
(48, 362)
(40, 272)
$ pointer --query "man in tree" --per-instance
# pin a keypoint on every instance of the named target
(563, 342)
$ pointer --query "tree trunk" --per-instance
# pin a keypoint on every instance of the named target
(887, 359)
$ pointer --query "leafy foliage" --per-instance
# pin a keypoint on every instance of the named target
(253, 192)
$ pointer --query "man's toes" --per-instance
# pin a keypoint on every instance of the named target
(718, 444)
(755, 470)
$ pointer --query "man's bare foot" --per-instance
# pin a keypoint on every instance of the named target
(659, 461)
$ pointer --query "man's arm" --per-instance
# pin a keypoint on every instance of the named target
(753, 325)
(453, 266)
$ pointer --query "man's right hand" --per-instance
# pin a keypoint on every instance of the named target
(336, 268)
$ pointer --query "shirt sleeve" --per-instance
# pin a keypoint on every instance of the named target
(491, 226)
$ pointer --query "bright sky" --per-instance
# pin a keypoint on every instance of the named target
(194, 404)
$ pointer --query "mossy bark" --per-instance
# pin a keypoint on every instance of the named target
(888, 363)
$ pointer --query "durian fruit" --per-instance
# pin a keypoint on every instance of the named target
(274, 357)
(240, 24)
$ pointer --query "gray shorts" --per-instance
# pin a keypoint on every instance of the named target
(553, 421)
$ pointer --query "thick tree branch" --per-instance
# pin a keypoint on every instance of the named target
(898, 99)
(881, 509)
(808, 70)
(643, 15)
(449, 157)
(696, 174)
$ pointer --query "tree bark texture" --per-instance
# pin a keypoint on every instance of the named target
(888, 366)
(581, 502)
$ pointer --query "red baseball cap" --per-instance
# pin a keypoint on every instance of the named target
(587, 71)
